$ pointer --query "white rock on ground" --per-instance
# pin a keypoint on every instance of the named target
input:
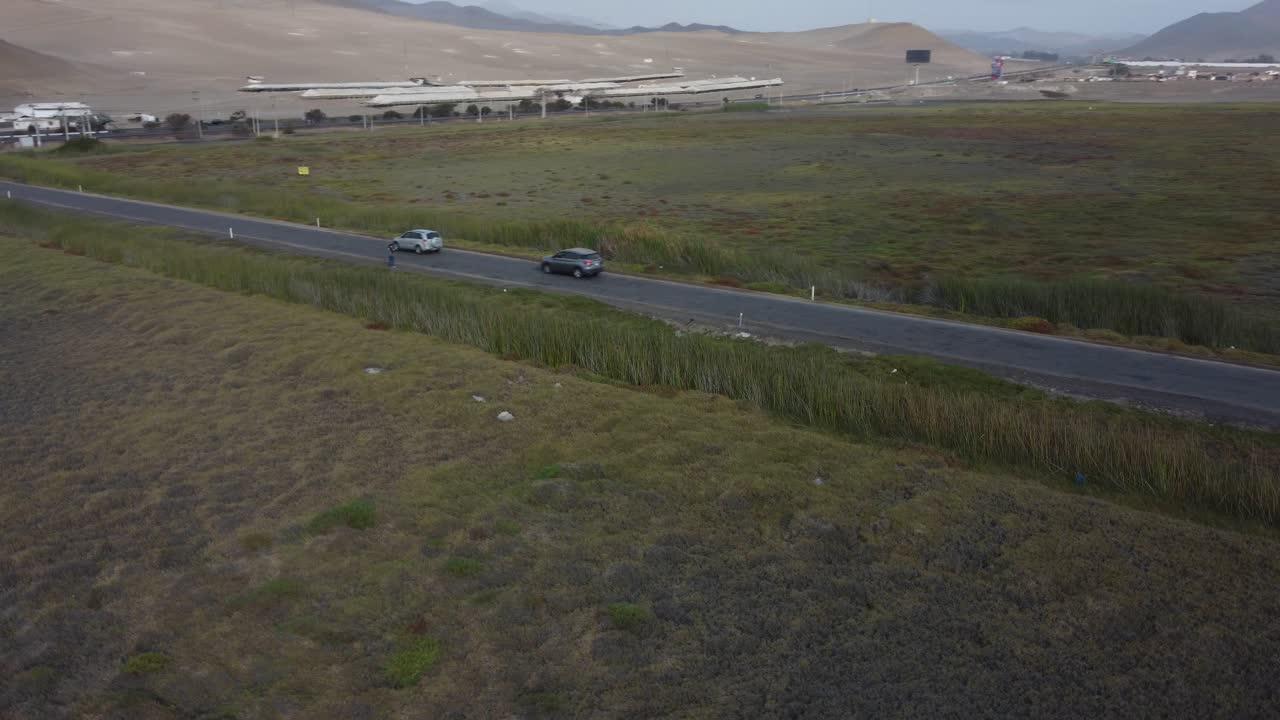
(478, 398)
(505, 416)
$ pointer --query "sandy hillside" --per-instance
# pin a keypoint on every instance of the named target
(26, 74)
(1217, 36)
(157, 52)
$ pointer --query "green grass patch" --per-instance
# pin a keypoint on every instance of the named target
(628, 616)
(80, 146)
(37, 681)
(1144, 221)
(406, 667)
(544, 703)
(271, 594)
(357, 515)
(463, 567)
(933, 374)
(146, 663)
(698, 507)
(1129, 309)
(1228, 471)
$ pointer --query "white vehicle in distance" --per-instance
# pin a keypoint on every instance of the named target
(419, 241)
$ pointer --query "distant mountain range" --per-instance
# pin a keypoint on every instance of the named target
(485, 18)
(511, 10)
(1217, 36)
(1020, 40)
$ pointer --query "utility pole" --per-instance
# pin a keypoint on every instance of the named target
(422, 115)
(195, 97)
(66, 135)
(544, 104)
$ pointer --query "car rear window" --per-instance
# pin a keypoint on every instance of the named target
(591, 256)
(433, 235)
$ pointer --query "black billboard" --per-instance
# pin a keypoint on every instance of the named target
(919, 57)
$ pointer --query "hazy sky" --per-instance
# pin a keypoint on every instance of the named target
(1092, 16)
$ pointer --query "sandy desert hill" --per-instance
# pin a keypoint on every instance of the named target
(1217, 36)
(155, 54)
(22, 69)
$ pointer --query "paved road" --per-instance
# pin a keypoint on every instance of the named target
(1218, 391)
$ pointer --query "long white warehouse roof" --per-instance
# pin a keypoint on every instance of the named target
(511, 83)
(364, 92)
(363, 89)
(51, 110)
(295, 87)
(1179, 63)
(637, 78)
(340, 94)
(580, 86)
(694, 87)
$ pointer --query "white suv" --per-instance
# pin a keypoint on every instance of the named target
(419, 241)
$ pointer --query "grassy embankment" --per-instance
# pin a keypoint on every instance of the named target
(1231, 472)
(211, 510)
(1139, 221)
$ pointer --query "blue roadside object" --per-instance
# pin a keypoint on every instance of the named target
(1080, 479)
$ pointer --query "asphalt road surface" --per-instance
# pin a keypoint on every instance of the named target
(1219, 392)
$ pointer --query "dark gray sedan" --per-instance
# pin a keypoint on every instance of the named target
(578, 262)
